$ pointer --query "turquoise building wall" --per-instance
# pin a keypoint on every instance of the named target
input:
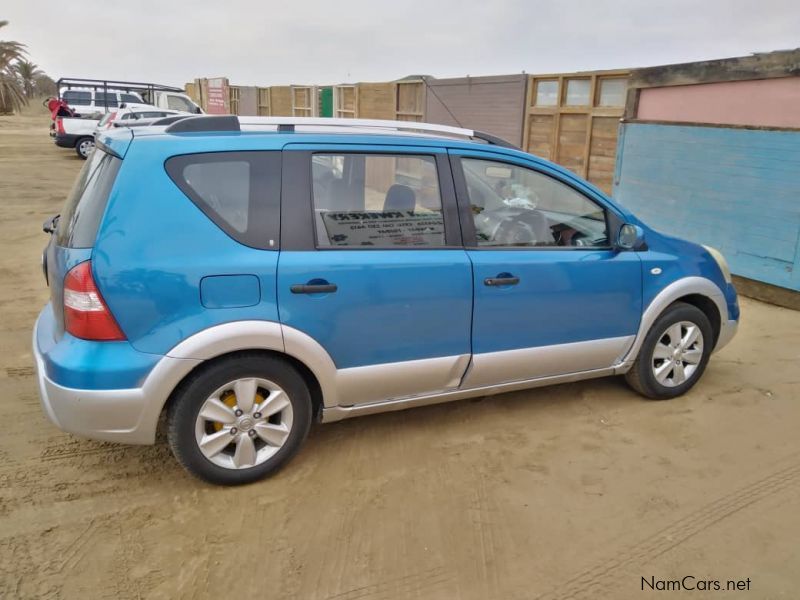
(735, 189)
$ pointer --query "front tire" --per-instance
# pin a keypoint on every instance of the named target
(84, 147)
(240, 419)
(674, 353)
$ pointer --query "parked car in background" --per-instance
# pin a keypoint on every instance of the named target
(76, 133)
(133, 113)
(173, 101)
(245, 276)
(87, 96)
(79, 133)
(88, 101)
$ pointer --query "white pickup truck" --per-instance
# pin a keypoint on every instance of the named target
(91, 99)
(89, 96)
(75, 132)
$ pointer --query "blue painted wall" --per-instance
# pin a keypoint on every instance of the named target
(735, 189)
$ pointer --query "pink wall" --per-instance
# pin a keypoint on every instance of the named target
(761, 102)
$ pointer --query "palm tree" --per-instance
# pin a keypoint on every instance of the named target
(12, 93)
(44, 85)
(28, 73)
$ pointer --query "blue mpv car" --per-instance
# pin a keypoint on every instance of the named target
(245, 277)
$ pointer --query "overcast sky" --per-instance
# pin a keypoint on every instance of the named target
(334, 41)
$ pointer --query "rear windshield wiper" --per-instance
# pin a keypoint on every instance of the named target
(49, 225)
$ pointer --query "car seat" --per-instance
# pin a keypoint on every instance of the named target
(400, 197)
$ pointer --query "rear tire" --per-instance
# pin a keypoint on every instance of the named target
(674, 353)
(84, 147)
(239, 419)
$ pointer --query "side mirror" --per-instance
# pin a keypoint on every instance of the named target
(631, 237)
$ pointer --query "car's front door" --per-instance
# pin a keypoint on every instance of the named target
(551, 294)
(373, 269)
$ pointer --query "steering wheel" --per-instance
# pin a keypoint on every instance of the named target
(520, 229)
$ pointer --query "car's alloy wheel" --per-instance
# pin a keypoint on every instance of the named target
(677, 354)
(85, 147)
(239, 418)
(674, 353)
(244, 423)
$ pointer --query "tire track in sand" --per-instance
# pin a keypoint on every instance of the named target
(601, 576)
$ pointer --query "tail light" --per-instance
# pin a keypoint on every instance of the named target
(111, 120)
(86, 314)
(60, 125)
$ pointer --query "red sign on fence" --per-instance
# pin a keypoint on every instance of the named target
(217, 96)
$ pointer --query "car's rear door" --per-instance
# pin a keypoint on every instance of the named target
(372, 267)
(552, 296)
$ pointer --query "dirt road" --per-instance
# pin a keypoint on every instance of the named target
(577, 491)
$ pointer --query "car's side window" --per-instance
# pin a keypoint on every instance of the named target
(516, 206)
(105, 99)
(377, 200)
(78, 98)
(239, 191)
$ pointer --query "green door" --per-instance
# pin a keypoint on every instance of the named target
(326, 102)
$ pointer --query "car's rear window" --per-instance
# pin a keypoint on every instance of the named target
(129, 98)
(86, 203)
(238, 191)
(78, 98)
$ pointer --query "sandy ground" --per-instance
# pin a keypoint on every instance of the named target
(576, 491)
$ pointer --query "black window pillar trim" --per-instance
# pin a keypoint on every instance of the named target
(297, 210)
(469, 238)
(447, 191)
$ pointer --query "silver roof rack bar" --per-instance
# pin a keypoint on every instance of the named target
(287, 124)
(370, 123)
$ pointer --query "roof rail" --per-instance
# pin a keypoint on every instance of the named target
(211, 123)
(99, 84)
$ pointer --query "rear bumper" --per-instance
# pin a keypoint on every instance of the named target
(65, 140)
(117, 415)
(112, 415)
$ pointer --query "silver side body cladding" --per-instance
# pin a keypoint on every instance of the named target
(131, 415)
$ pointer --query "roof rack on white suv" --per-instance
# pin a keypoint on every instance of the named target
(209, 123)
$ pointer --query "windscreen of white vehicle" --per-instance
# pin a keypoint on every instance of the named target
(180, 103)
